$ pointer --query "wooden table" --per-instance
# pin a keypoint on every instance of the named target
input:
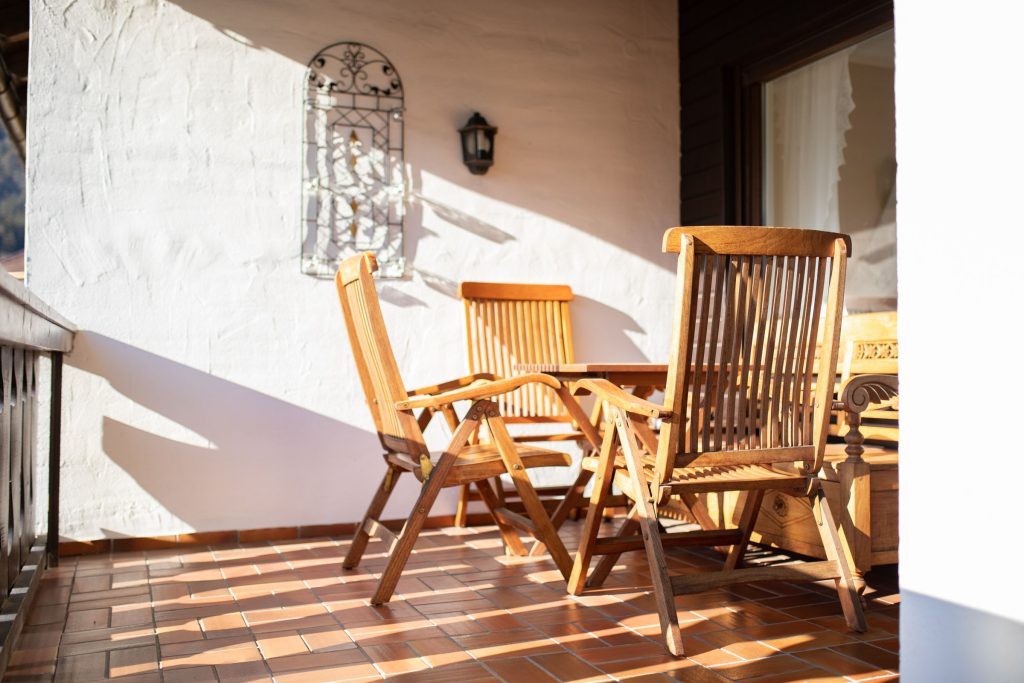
(623, 374)
(642, 377)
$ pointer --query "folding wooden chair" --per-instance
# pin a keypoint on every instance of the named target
(741, 411)
(509, 324)
(401, 435)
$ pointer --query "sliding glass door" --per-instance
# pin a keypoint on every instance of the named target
(829, 160)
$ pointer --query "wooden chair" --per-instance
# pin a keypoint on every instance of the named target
(860, 475)
(509, 324)
(747, 305)
(401, 435)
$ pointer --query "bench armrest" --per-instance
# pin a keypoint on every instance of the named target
(861, 391)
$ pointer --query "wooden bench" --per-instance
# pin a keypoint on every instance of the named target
(861, 471)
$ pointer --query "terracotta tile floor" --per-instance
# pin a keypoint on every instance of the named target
(464, 612)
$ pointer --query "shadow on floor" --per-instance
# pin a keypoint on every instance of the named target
(463, 611)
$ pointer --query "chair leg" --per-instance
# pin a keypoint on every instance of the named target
(499, 490)
(462, 507)
(513, 544)
(572, 500)
(373, 512)
(404, 542)
(588, 424)
(602, 487)
(830, 538)
(607, 562)
(585, 423)
(698, 510)
(545, 532)
(748, 517)
(648, 518)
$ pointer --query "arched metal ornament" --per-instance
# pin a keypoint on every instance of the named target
(353, 183)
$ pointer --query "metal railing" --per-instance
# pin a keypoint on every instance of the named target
(29, 330)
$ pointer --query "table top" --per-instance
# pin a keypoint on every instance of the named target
(593, 369)
(623, 374)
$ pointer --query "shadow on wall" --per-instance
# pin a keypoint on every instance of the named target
(267, 460)
(601, 333)
(549, 162)
(957, 643)
(463, 220)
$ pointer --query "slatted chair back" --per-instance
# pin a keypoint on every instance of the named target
(741, 381)
(509, 324)
(374, 358)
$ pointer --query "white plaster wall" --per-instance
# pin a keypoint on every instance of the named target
(212, 386)
(959, 144)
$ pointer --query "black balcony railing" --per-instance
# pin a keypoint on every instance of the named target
(29, 331)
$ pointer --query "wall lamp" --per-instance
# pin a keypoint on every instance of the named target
(477, 144)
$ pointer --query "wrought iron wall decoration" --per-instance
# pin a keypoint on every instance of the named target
(353, 172)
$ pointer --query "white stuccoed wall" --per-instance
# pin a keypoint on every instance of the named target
(959, 143)
(212, 386)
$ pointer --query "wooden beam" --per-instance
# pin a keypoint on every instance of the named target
(622, 544)
(15, 607)
(515, 519)
(809, 571)
(26, 321)
(53, 517)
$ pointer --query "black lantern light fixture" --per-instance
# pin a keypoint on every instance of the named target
(477, 144)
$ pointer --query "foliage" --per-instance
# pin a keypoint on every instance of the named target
(12, 197)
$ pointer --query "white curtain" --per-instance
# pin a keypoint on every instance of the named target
(809, 113)
(871, 277)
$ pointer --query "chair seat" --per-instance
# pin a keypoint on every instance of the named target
(745, 477)
(718, 478)
(483, 461)
(735, 478)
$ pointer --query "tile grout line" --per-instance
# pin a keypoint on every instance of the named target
(459, 569)
(152, 615)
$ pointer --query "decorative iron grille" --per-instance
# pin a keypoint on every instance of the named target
(353, 171)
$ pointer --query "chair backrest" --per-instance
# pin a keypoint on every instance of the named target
(510, 323)
(378, 371)
(741, 381)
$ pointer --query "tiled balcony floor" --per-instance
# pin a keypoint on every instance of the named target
(287, 612)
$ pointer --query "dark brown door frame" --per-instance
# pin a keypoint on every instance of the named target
(744, 105)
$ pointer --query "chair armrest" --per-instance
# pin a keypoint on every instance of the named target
(482, 390)
(861, 391)
(453, 384)
(620, 398)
